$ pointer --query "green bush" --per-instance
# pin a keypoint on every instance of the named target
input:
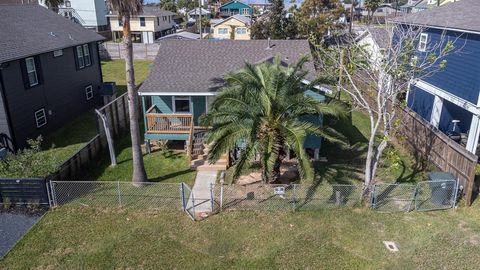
(29, 162)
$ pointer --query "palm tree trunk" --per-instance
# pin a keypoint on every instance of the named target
(139, 175)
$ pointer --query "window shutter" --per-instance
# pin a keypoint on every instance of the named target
(90, 50)
(38, 67)
(23, 67)
(75, 56)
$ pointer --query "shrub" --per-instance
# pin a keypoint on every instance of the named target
(29, 162)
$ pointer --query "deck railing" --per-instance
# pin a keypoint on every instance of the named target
(159, 123)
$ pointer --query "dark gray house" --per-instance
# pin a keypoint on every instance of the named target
(49, 71)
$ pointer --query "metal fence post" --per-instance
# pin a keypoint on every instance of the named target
(221, 197)
(54, 195)
(211, 197)
(193, 205)
(48, 194)
(454, 202)
(294, 197)
(119, 196)
(182, 196)
(372, 198)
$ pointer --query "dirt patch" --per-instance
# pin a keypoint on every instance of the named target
(288, 174)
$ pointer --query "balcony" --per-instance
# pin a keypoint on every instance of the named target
(161, 123)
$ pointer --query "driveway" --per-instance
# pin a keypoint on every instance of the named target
(12, 228)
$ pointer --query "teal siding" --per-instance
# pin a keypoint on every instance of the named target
(173, 137)
(313, 141)
(163, 103)
(199, 107)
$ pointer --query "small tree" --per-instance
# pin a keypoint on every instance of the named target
(275, 24)
(317, 17)
(377, 85)
(262, 106)
(371, 6)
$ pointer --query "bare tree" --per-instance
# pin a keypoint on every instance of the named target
(378, 80)
(126, 9)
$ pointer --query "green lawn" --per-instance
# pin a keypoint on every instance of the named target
(170, 167)
(87, 238)
(114, 71)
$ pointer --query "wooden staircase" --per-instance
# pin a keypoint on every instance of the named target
(199, 155)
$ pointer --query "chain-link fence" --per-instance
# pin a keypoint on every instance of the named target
(285, 197)
(117, 194)
(423, 196)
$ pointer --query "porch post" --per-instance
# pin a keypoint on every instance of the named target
(473, 134)
(436, 111)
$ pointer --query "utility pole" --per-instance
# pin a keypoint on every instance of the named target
(200, 17)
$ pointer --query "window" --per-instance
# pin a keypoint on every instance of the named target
(89, 92)
(245, 11)
(223, 30)
(181, 104)
(142, 21)
(158, 20)
(86, 55)
(422, 45)
(57, 53)
(83, 57)
(164, 18)
(31, 71)
(120, 23)
(40, 118)
(68, 4)
(169, 19)
(241, 30)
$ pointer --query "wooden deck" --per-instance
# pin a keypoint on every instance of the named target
(160, 123)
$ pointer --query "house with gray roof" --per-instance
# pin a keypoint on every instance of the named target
(187, 75)
(50, 71)
(450, 98)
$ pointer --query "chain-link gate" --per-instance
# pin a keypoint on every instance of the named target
(393, 197)
(188, 200)
(436, 195)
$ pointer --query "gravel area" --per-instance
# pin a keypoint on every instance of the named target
(12, 227)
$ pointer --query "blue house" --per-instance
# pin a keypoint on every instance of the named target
(235, 8)
(185, 78)
(450, 98)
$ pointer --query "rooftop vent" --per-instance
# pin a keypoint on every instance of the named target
(53, 34)
(70, 37)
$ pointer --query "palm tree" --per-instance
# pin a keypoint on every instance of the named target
(262, 105)
(126, 9)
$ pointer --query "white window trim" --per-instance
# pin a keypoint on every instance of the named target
(34, 71)
(80, 56)
(422, 46)
(89, 92)
(37, 118)
(241, 28)
(174, 109)
(86, 55)
(57, 53)
(221, 32)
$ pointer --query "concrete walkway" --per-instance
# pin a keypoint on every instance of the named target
(201, 192)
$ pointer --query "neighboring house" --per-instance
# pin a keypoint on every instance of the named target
(235, 27)
(382, 12)
(375, 41)
(50, 71)
(450, 99)
(90, 14)
(235, 8)
(146, 27)
(180, 35)
(186, 76)
(420, 5)
(195, 13)
(259, 6)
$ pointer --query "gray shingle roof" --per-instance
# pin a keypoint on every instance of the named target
(381, 36)
(241, 18)
(31, 29)
(199, 65)
(462, 15)
(180, 35)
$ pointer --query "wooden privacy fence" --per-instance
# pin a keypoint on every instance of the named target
(111, 50)
(23, 191)
(116, 113)
(428, 143)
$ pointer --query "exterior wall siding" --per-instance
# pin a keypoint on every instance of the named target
(420, 102)
(3, 117)
(461, 76)
(228, 24)
(61, 94)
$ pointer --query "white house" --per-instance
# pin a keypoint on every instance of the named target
(89, 13)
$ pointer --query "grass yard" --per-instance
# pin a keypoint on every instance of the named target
(114, 71)
(87, 238)
(170, 167)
